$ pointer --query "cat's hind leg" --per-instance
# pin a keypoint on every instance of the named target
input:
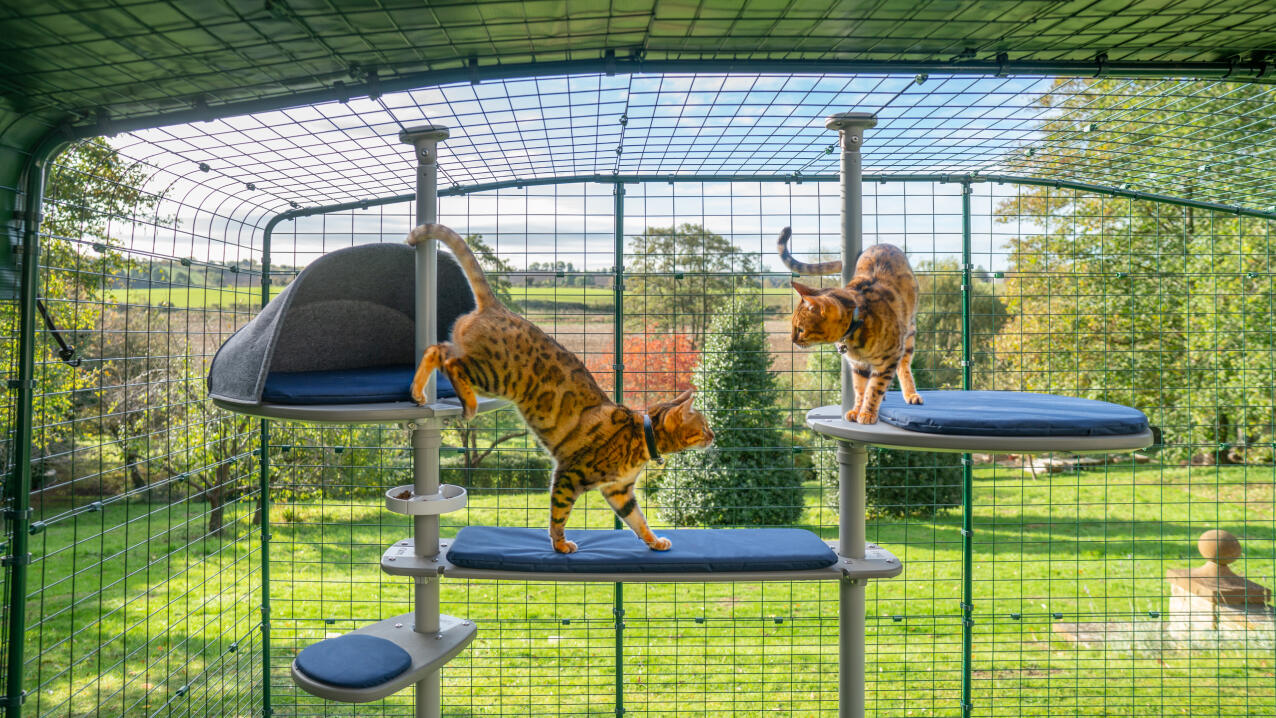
(444, 358)
(906, 371)
(562, 496)
(620, 496)
(431, 360)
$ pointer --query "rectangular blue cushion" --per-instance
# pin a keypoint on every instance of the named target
(346, 386)
(1010, 413)
(694, 551)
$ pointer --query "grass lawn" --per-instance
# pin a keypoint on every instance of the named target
(139, 613)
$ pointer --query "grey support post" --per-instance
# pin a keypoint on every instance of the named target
(427, 434)
(852, 458)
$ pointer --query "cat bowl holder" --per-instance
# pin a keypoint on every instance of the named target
(449, 499)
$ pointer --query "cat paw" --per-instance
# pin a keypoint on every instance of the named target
(468, 410)
(913, 398)
(661, 544)
(866, 417)
(852, 415)
(418, 394)
(565, 546)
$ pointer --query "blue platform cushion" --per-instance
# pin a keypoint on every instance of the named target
(1010, 413)
(502, 548)
(346, 386)
(353, 661)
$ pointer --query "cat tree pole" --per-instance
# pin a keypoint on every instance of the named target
(427, 434)
(852, 458)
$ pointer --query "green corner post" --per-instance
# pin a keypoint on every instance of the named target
(852, 458)
(618, 347)
(427, 434)
(967, 469)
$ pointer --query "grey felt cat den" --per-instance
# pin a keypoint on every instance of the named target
(349, 309)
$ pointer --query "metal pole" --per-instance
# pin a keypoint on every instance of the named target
(618, 349)
(17, 510)
(852, 458)
(427, 435)
(967, 484)
(263, 447)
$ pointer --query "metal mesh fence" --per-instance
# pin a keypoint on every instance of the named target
(146, 583)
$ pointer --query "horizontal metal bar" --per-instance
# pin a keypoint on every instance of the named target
(942, 178)
(1250, 72)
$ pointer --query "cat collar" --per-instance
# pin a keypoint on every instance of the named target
(649, 433)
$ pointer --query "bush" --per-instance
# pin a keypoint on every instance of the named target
(900, 483)
(749, 477)
(518, 469)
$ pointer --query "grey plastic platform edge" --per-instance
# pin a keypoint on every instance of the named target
(373, 413)
(827, 420)
(401, 560)
(428, 654)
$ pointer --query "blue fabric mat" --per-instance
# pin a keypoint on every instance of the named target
(1010, 413)
(346, 386)
(694, 551)
(353, 661)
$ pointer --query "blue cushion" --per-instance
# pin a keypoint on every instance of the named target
(353, 661)
(346, 386)
(693, 551)
(1010, 413)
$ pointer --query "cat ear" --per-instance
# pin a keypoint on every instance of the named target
(685, 397)
(804, 292)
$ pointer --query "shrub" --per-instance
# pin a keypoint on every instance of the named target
(656, 363)
(899, 483)
(749, 476)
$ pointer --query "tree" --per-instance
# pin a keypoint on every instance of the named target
(939, 327)
(749, 477)
(494, 267)
(92, 192)
(1139, 302)
(898, 483)
(679, 276)
(658, 364)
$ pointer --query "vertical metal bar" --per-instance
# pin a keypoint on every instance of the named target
(263, 446)
(618, 350)
(18, 498)
(852, 458)
(967, 483)
(427, 435)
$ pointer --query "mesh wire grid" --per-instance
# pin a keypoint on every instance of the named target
(138, 608)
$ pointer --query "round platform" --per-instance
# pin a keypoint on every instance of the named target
(827, 420)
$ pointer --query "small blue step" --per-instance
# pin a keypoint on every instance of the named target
(353, 661)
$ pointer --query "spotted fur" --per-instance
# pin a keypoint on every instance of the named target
(872, 320)
(595, 443)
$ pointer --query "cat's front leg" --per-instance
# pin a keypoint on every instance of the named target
(562, 496)
(620, 496)
(906, 372)
(860, 373)
(878, 381)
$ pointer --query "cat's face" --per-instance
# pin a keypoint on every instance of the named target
(684, 427)
(819, 319)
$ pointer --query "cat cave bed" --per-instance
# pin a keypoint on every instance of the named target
(337, 344)
(994, 421)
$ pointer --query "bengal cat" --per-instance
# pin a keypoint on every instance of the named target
(595, 443)
(872, 320)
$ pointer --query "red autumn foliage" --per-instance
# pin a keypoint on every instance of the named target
(658, 365)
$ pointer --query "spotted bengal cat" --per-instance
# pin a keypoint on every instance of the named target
(872, 320)
(595, 443)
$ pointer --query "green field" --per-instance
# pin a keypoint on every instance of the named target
(529, 298)
(1089, 546)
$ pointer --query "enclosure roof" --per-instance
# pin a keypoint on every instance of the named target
(132, 58)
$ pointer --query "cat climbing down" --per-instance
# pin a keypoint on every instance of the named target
(872, 320)
(595, 443)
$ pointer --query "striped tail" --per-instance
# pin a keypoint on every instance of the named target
(483, 294)
(782, 247)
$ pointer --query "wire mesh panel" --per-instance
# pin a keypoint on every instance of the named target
(147, 581)
(143, 586)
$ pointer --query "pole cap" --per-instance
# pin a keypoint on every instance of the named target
(851, 120)
(423, 133)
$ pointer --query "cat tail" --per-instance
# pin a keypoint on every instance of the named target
(782, 247)
(483, 294)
